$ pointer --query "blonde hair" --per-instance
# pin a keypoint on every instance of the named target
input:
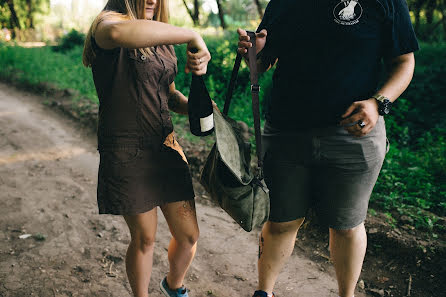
(122, 10)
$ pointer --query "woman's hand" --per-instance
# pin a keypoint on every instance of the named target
(365, 115)
(244, 43)
(198, 56)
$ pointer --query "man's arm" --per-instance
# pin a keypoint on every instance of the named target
(263, 63)
(400, 72)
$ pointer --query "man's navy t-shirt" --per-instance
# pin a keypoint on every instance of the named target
(329, 54)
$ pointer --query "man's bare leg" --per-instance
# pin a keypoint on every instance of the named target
(347, 250)
(276, 244)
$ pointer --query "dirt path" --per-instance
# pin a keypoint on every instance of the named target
(48, 167)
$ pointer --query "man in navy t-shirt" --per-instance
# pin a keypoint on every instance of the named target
(324, 135)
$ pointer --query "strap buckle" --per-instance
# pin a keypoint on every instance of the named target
(255, 88)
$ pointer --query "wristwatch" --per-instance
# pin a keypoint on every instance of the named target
(384, 104)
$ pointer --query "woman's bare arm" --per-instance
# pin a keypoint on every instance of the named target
(177, 101)
(111, 34)
(140, 34)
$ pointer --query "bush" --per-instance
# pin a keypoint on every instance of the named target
(69, 41)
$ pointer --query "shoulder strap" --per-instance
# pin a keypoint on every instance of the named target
(255, 88)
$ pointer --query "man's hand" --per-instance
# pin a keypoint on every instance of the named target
(365, 111)
(244, 43)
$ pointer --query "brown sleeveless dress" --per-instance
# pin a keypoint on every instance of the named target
(141, 163)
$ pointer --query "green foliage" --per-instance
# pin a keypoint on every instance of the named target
(36, 66)
(413, 178)
(69, 41)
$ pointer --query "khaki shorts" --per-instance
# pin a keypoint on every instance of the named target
(326, 169)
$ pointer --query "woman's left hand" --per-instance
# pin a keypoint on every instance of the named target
(360, 117)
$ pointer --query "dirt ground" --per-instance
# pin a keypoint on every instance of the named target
(48, 167)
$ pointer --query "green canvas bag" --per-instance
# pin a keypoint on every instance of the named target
(227, 174)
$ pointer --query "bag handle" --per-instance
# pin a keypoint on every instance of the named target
(255, 88)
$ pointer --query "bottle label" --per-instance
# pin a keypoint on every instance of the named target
(207, 123)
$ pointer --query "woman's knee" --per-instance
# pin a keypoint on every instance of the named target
(277, 228)
(188, 238)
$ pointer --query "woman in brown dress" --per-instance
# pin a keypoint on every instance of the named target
(142, 166)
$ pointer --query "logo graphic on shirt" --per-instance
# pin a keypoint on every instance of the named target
(347, 12)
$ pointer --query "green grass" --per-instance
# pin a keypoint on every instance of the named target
(35, 66)
(413, 178)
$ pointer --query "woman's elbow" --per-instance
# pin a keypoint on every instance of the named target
(114, 33)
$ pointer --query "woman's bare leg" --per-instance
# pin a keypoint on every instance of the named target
(183, 225)
(139, 256)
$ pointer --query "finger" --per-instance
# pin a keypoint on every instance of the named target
(242, 50)
(355, 129)
(193, 63)
(197, 63)
(196, 67)
(200, 72)
(244, 38)
(262, 33)
(200, 55)
(242, 32)
(350, 109)
(352, 120)
(245, 44)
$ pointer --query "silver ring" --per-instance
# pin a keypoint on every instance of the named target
(199, 60)
(361, 124)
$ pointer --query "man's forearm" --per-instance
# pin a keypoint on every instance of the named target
(400, 74)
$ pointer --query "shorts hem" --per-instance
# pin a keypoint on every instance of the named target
(285, 220)
(346, 227)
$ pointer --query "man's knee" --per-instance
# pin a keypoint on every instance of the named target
(278, 228)
(348, 233)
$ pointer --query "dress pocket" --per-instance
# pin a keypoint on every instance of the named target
(120, 156)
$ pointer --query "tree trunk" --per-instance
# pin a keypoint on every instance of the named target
(30, 17)
(221, 14)
(444, 23)
(430, 8)
(15, 23)
(195, 14)
(259, 8)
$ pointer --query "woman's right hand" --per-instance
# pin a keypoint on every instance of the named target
(244, 43)
(198, 56)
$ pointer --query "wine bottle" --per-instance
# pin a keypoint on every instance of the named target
(200, 109)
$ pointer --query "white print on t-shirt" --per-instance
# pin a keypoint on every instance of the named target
(347, 12)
